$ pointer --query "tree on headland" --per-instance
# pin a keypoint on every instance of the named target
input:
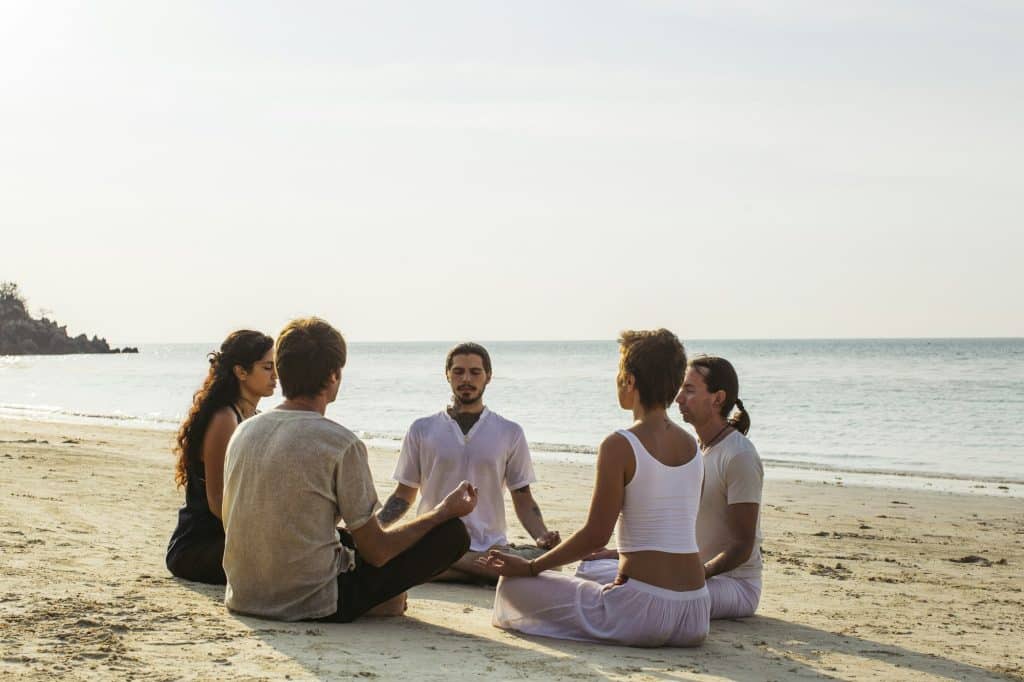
(12, 304)
(20, 334)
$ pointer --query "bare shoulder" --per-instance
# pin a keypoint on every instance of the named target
(224, 419)
(615, 447)
(685, 442)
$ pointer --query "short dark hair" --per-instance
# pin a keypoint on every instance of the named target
(657, 361)
(468, 348)
(307, 352)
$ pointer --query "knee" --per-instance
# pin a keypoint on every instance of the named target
(177, 566)
(697, 639)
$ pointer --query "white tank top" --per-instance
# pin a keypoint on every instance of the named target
(659, 511)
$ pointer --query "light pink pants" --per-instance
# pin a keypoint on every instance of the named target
(730, 597)
(634, 613)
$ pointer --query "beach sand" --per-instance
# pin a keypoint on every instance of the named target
(861, 583)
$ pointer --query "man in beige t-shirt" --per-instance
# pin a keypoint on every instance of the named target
(291, 476)
(728, 522)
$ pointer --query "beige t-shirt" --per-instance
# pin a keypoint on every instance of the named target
(289, 477)
(733, 474)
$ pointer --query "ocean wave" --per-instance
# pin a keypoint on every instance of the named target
(380, 435)
(884, 471)
(563, 448)
(537, 446)
(56, 413)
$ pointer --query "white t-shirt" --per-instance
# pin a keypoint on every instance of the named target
(733, 474)
(436, 457)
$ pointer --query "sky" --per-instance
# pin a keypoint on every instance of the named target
(530, 170)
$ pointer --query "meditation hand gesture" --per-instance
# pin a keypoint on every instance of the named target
(459, 502)
(508, 565)
(549, 539)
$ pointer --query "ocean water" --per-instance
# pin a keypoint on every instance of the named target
(925, 409)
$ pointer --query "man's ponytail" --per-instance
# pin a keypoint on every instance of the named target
(740, 420)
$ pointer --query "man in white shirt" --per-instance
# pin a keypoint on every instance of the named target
(466, 441)
(728, 523)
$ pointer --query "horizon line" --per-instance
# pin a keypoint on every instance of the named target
(685, 341)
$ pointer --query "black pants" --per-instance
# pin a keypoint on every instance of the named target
(200, 561)
(366, 585)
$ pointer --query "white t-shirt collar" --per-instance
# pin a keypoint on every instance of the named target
(472, 430)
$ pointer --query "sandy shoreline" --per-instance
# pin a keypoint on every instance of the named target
(776, 468)
(860, 583)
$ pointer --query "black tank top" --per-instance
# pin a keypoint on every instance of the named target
(196, 523)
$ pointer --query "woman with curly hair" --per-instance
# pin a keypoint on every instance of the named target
(649, 480)
(240, 374)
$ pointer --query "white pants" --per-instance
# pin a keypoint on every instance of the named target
(634, 613)
(730, 597)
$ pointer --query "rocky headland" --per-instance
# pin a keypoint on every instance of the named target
(21, 334)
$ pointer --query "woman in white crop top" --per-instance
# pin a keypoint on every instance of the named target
(649, 481)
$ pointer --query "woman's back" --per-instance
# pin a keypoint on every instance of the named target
(657, 525)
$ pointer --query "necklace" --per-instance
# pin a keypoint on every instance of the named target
(715, 438)
(242, 402)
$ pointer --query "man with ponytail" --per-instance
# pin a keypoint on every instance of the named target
(728, 522)
(292, 475)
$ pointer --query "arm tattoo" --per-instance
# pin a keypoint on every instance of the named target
(525, 490)
(393, 510)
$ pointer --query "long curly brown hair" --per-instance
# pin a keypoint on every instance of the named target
(220, 389)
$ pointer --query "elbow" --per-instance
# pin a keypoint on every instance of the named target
(596, 538)
(743, 550)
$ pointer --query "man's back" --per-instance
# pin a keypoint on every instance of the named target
(289, 477)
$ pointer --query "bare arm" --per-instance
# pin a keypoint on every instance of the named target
(215, 445)
(397, 504)
(529, 515)
(605, 505)
(379, 546)
(741, 520)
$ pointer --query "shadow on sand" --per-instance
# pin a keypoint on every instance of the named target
(758, 648)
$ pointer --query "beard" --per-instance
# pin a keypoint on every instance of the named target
(467, 396)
